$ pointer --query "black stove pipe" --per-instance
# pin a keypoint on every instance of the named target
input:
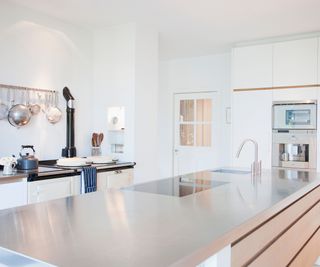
(70, 150)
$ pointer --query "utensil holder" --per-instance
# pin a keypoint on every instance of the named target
(96, 151)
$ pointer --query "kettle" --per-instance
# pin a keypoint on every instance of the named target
(27, 161)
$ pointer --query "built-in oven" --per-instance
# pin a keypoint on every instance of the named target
(295, 115)
(294, 137)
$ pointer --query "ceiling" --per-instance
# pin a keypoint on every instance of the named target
(192, 27)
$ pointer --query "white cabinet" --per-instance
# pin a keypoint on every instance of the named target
(13, 194)
(49, 189)
(252, 116)
(319, 60)
(120, 178)
(295, 94)
(114, 179)
(295, 62)
(76, 185)
(252, 66)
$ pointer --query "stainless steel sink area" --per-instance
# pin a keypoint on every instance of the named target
(232, 171)
(176, 186)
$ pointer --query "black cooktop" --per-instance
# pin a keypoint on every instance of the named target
(176, 186)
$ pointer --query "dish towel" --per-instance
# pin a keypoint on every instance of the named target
(88, 180)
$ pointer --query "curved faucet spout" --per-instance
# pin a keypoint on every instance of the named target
(255, 148)
(256, 165)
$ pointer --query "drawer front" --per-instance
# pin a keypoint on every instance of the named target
(13, 195)
(120, 178)
(310, 252)
(284, 249)
(102, 181)
(49, 189)
(246, 249)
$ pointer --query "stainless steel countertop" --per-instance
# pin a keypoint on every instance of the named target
(128, 228)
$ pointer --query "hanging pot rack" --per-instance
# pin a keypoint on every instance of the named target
(15, 87)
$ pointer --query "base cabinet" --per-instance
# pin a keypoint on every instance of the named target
(114, 179)
(288, 239)
(50, 189)
(309, 253)
(13, 194)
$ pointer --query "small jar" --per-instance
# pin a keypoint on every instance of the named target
(96, 151)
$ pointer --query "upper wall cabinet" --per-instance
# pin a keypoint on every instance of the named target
(295, 62)
(252, 66)
(295, 94)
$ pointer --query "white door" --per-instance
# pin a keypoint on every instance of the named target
(196, 132)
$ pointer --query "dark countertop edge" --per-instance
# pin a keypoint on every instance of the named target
(77, 171)
(59, 173)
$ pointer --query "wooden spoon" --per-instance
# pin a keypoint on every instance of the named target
(101, 136)
(94, 138)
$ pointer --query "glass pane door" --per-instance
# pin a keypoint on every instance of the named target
(195, 122)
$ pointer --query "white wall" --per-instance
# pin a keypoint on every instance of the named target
(126, 74)
(114, 77)
(117, 66)
(38, 51)
(208, 73)
(146, 104)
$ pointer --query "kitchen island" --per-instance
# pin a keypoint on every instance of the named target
(132, 228)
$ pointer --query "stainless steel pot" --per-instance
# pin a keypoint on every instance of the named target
(19, 115)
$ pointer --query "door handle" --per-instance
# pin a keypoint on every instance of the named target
(176, 150)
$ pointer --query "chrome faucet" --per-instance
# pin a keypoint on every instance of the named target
(256, 165)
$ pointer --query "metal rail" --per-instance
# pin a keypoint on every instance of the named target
(15, 87)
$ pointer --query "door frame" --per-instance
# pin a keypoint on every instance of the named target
(173, 119)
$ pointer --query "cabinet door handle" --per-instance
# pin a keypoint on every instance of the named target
(119, 171)
(228, 115)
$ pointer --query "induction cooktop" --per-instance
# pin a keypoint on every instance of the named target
(176, 186)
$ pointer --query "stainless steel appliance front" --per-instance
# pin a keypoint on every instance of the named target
(298, 115)
(294, 149)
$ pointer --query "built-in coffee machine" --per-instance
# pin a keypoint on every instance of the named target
(294, 139)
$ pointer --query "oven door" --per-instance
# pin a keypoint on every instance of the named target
(295, 116)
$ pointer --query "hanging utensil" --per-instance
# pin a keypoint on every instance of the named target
(4, 109)
(54, 114)
(19, 114)
(34, 107)
(45, 103)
